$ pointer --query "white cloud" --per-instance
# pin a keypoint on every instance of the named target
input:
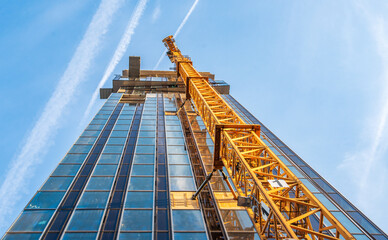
(177, 32)
(38, 139)
(119, 53)
(156, 13)
(368, 165)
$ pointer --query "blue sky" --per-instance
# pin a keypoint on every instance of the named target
(316, 73)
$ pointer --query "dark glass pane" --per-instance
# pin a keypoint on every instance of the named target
(46, 200)
(139, 200)
(86, 220)
(188, 220)
(34, 220)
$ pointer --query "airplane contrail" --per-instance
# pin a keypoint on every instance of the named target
(37, 140)
(177, 32)
(119, 53)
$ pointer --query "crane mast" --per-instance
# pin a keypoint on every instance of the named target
(256, 171)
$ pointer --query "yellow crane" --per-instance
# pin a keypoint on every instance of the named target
(257, 173)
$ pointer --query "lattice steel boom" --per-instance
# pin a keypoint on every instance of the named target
(252, 165)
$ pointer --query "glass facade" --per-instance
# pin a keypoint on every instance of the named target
(133, 170)
(117, 180)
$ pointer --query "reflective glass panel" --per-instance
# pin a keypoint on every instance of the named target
(109, 158)
(177, 149)
(139, 200)
(188, 220)
(88, 220)
(190, 236)
(145, 149)
(57, 183)
(80, 148)
(178, 159)
(22, 236)
(105, 170)
(100, 183)
(74, 158)
(93, 200)
(29, 221)
(119, 141)
(141, 158)
(113, 149)
(180, 170)
(143, 170)
(76, 236)
(136, 220)
(135, 236)
(119, 134)
(141, 183)
(66, 170)
(182, 184)
(46, 200)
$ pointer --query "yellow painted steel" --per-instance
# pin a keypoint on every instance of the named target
(251, 163)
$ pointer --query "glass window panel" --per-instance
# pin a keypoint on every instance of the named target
(100, 183)
(125, 117)
(86, 140)
(147, 127)
(139, 200)
(46, 200)
(180, 170)
(175, 141)
(323, 185)
(176, 149)
(113, 149)
(57, 183)
(296, 172)
(123, 121)
(178, 159)
(284, 160)
(141, 183)
(174, 134)
(105, 170)
(80, 148)
(146, 141)
(149, 117)
(109, 158)
(95, 127)
(330, 206)
(190, 236)
(119, 141)
(137, 220)
(87, 220)
(144, 158)
(346, 222)
(143, 170)
(90, 133)
(182, 184)
(66, 170)
(119, 134)
(145, 149)
(33, 220)
(121, 127)
(82, 235)
(147, 134)
(148, 122)
(188, 220)
(98, 121)
(93, 200)
(74, 158)
(22, 236)
(135, 236)
(174, 128)
(342, 202)
(364, 223)
(309, 185)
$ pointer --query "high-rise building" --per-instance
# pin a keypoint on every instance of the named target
(133, 171)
